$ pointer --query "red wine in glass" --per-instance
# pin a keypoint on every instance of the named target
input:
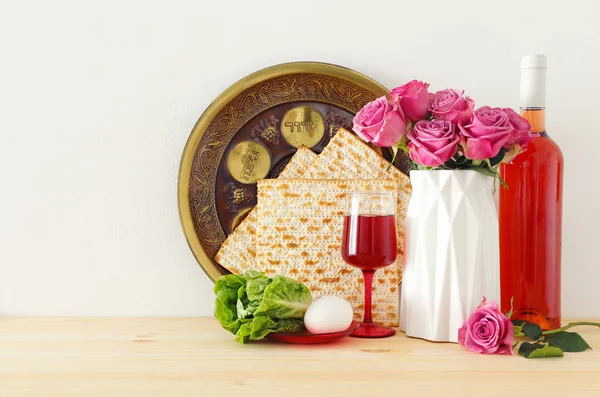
(369, 242)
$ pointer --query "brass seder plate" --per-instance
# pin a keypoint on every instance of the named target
(250, 132)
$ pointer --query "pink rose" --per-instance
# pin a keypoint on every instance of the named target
(452, 106)
(380, 122)
(413, 98)
(432, 143)
(522, 133)
(520, 137)
(489, 130)
(487, 330)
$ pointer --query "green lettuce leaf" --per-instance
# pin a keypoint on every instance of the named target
(256, 283)
(250, 295)
(243, 334)
(260, 327)
(252, 305)
(289, 325)
(226, 289)
(243, 303)
(284, 298)
(248, 310)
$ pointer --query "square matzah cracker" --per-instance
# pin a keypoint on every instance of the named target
(237, 253)
(299, 234)
(348, 157)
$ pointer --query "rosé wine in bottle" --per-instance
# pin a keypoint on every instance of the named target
(531, 212)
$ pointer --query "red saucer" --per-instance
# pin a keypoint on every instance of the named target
(306, 337)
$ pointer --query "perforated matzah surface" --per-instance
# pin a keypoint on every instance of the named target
(299, 233)
(348, 157)
(238, 251)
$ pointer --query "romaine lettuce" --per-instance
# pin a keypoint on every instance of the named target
(252, 305)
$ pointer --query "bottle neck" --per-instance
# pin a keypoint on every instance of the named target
(537, 119)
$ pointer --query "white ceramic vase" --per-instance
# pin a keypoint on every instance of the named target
(452, 252)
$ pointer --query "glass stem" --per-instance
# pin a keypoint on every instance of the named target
(368, 279)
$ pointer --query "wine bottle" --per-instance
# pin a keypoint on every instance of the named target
(530, 213)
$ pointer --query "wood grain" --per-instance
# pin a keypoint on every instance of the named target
(195, 357)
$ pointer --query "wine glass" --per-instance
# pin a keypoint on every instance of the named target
(369, 242)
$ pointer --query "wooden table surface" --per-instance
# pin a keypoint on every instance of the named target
(195, 357)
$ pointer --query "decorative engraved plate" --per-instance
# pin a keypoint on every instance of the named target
(250, 132)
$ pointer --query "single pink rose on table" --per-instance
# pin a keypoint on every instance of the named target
(381, 122)
(487, 132)
(413, 98)
(520, 136)
(432, 143)
(487, 330)
(451, 105)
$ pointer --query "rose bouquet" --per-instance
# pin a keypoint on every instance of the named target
(443, 130)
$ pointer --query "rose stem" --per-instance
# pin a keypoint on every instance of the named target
(570, 325)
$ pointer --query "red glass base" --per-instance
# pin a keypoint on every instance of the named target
(373, 331)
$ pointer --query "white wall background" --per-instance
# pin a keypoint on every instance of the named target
(98, 98)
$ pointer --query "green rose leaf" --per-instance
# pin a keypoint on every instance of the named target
(546, 351)
(462, 160)
(568, 341)
(526, 348)
(498, 158)
(532, 331)
(517, 330)
(484, 171)
(517, 326)
(539, 350)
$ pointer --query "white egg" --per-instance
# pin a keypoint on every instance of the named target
(328, 314)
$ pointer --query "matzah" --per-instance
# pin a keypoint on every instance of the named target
(299, 233)
(237, 253)
(345, 157)
(348, 157)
